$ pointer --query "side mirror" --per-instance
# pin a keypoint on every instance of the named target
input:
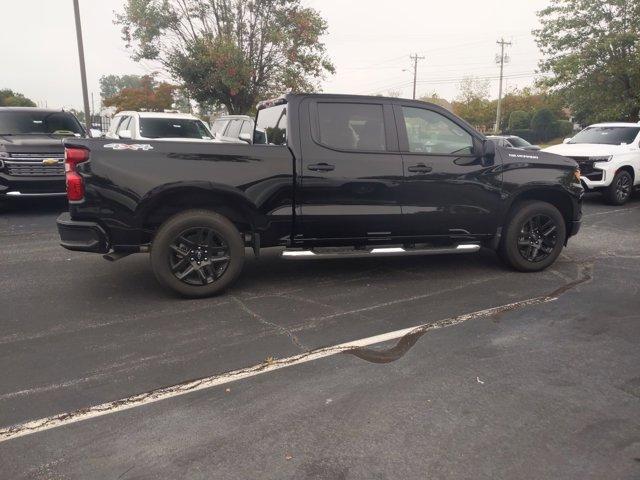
(489, 150)
(126, 134)
(566, 140)
(245, 137)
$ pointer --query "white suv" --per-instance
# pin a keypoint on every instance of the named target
(609, 158)
(159, 126)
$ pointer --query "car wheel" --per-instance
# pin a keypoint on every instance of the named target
(197, 253)
(619, 192)
(533, 237)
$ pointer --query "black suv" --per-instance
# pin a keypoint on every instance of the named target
(341, 175)
(31, 151)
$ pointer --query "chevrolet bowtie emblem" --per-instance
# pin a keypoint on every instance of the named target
(50, 161)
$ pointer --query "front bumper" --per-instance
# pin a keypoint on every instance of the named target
(82, 236)
(16, 187)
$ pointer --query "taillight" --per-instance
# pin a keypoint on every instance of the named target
(75, 185)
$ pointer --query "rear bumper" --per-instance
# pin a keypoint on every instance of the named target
(82, 236)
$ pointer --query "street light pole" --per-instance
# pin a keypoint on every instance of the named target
(83, 70)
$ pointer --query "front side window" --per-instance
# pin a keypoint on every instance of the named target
(607, 135)
(432, 133)
(272, 121)
(124, 125)
(233, 130)
(173, 128)
(218, 127)
(247, 127)
(34, 122)
(351, 126)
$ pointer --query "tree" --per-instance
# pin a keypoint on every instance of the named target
(230, 52)
(544, 125)
(472, 102)
(111, 85)
(519, 120)
(592, 50)
(150, 96)
(9, 98)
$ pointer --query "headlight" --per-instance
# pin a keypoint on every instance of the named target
(601, 159)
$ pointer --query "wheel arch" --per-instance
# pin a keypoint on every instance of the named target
(556, 197)
(163, 203)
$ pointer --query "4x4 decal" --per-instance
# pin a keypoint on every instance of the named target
(129, 146)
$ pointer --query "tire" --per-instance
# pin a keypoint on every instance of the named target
(620, 190)
(200, 240)
(521, 236)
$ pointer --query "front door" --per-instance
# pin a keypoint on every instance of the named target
(351, 171)
(448, 188)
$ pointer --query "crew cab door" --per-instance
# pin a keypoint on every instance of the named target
(351, 170)
(448, 188)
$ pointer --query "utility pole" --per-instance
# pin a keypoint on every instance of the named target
(415, 59)
(501, 60)
(83, 70)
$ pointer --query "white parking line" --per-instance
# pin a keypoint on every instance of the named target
(40, 425)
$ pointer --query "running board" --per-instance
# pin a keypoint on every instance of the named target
(380, 252)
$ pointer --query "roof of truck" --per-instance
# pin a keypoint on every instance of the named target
(160, 115)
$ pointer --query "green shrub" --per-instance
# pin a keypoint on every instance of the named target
(565, 128)
(519, 120)
(544, 125)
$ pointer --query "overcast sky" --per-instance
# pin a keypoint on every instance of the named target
(369, 42)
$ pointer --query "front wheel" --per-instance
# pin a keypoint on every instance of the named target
(533, 237)
(197, 253)
(619, 192)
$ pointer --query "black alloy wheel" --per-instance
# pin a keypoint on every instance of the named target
(198, 256)
(538, 238)
(620, 190)
(623, 188)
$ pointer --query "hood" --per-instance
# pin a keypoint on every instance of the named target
(31, 143)
(585, 149)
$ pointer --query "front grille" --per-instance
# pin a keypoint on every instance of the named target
(586, 165)
(30, 165)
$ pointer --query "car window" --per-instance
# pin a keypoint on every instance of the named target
(607, 135)
(518, 142)
(218, 126)
(124, 125)
(351, 126)
(233, 130)
(247, 127)
(432, 133)
(273, 122)
(173, 128)
(35, 122)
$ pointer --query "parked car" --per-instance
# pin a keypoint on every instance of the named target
(31, 151)
(237, 129)
(512, 141)
(342, 176)
(159, 126)
(609, 158)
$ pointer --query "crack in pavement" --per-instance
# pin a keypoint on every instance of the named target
(294, 339)
(407, 338)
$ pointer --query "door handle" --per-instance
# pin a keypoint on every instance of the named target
(420, 168)
(321, 167)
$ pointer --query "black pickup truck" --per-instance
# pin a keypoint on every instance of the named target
(31, 151)
(341, 176)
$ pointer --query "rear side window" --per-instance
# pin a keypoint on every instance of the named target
(233, 130)
(351, 126)
(247, 127)
(432, 133)
(272, 122)
(124, 124)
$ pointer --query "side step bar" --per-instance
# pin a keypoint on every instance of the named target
(379, 252)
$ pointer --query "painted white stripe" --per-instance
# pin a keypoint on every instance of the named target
(164, 393)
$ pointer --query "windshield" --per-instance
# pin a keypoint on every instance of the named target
(518, 142)
(173, 128)
(607, 135)
(35, 122)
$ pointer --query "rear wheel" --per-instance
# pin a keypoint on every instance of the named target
(619, 192)
(197, 253)
(534, 236)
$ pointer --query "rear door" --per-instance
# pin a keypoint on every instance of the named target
(351, 170)
(448, 188)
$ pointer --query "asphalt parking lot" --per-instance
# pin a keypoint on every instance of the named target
(544, 384)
